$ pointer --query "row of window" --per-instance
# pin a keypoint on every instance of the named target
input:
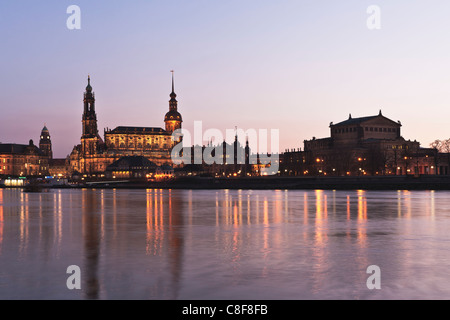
(397, 147)
(376, 129)
(30, 167)
(20, 160)
(139, 138)
(354, 129)
(139, 146)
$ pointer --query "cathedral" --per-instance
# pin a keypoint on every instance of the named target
(94, 154)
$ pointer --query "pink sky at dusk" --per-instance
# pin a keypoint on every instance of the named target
(295, 66)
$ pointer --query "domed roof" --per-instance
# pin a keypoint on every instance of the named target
(173, 115)
(45, 129)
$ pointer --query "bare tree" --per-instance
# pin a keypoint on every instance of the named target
(436, 144)
(441, 146)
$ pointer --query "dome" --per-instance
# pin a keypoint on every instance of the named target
(45, 130)
(173, 115)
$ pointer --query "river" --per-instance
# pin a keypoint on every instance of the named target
(224, 244)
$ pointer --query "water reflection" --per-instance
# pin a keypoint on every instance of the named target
(1, 220)
(171, 244)
(91, 223)
(164, 236)
(23, 218)
(362, 219)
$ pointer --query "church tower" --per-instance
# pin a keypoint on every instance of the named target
(45, 144)
(172, 118)
(90, 137)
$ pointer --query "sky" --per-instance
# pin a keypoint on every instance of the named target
(292, 66)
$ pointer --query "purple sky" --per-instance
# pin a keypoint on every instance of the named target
(288, 65)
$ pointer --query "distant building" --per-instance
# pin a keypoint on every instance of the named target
(45, 143)
(94, 154)
(370, 145)
(22, 160)
(131, 167)
(59, 168)
(164, 172)
(230, 160)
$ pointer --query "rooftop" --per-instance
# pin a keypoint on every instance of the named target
(137, 130)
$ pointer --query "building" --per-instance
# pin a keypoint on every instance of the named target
(58, 168)
(371, 145)
(45, 143)
(22, 160)
(131, 167)
(221, 160)
(163, 172)
(94, 154)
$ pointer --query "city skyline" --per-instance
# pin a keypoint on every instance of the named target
(291, 66)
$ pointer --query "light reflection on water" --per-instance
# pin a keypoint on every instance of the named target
(224, 244)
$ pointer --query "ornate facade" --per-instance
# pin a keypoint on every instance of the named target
(370, 145)
(22, 160)
(93, 155)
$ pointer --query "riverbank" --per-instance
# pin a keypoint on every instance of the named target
(326, 183)
(429, 182)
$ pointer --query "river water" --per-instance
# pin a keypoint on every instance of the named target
(224, 244)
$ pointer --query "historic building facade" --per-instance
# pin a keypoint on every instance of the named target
(45, 143)
(22, 160)
(370, 145)
(94, 154)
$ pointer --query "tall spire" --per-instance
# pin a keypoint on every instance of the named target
(173, 117)
(173, 100)
(89, 116)
(88, 87)
(172, 94)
